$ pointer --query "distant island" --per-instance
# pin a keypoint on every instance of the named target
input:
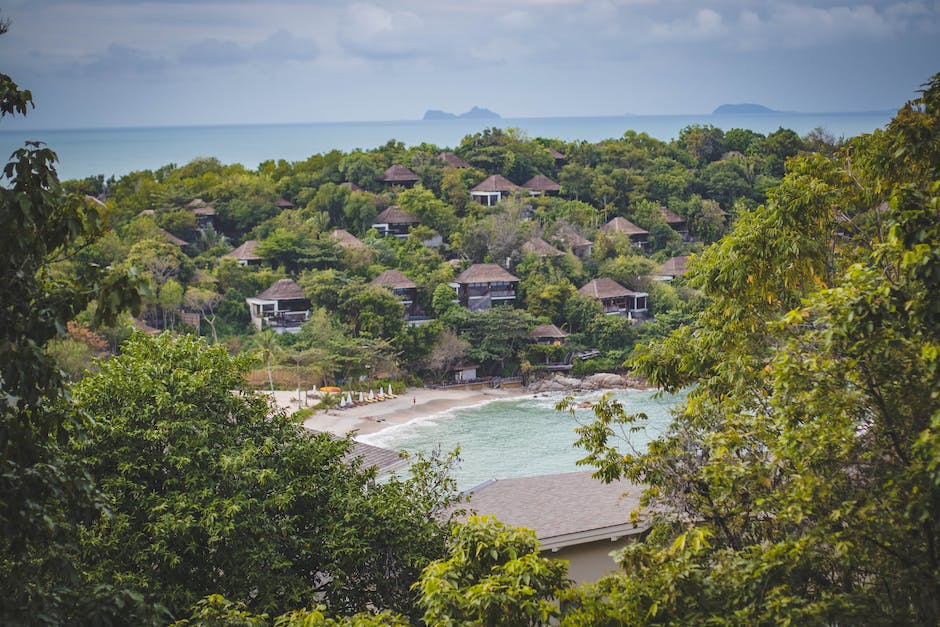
(737, 109)
(476, 113)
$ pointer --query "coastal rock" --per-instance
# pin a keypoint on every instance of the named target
(598, 381)
(603, 381)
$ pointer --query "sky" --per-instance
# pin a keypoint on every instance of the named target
(104, 63)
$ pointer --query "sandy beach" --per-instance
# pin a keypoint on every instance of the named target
(373, 417)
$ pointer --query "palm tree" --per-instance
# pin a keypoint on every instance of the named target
(266, 345)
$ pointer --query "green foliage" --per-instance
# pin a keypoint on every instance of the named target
(208, 491)
(217, 611)
(706, 143)
(798, 484)
(495, 335)
(425, 206)
(494, 576)
(43, 497)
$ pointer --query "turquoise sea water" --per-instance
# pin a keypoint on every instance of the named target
(117, 151)
(520, 437)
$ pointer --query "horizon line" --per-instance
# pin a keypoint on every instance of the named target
(444, 121)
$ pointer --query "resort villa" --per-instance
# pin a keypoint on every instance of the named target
(623, 226)
(671, 268)
(245, 254)
(345, 239)
(282, 307)
(205, 214)
(493, 189)
(402, 288)
(540, 248)
(541, 184)
(399, 175)
(676, 222)
(571, 239)
(484, 285)
(616, 299)
(453, 161)
(394, 221)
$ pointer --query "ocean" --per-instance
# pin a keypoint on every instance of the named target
(118, 151)
(521, 437)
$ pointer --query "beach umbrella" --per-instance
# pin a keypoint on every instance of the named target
(361, 399)
(390, 390)
(371, 395)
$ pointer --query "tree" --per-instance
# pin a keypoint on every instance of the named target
(266, 344)
(494, 576)
(448, 352)
(798, 484)
(209, 491)
(422, 204)
(706, 143)
(203, 302)
(44, 497)
(495, 335)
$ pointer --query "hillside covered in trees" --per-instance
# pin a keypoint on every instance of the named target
(206, 236)
(798, 484)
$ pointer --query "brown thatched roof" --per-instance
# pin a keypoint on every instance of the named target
(570, 236)
(538, 246)
(395, 215)
(285, 289)
(351, 186)
(547, 330)
(172, 238)
(199, 207)
(622, 225)
(245, 252)
(670, 216)
(283, 203)
(555, 154)
(394, 279)
(496, 183)
(676, 266)
(399, 174)
(541, 183)
(346, 239)
(452, 160)
(605, 288)
(485, 273)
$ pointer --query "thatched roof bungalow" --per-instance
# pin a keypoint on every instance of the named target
(493, 189)
(400, 175)
(622, 225)
(245, 254)
(541, 184)
(615, 298)
(394, 221)
(483, 285)
(282, 307)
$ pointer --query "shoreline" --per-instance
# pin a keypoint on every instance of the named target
(421, 403)
(413, 404)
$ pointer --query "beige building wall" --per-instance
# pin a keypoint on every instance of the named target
(589, 562)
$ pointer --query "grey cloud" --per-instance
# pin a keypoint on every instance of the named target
(280, 46)
(118, 59)
(213, 52)
(285, 46)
